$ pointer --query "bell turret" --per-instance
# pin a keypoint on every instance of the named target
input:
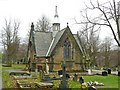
(56, 23)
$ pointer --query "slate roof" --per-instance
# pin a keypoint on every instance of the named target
(42, 42)
(45, 44)
(57, 38)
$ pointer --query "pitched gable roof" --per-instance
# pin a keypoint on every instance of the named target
(59, 36)
(56, 40)
(42, 43)
(45, 44)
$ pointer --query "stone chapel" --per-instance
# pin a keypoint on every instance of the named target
(55, 47)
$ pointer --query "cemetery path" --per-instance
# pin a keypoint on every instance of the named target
(14, 70)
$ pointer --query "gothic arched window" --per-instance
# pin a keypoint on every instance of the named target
(67, 49)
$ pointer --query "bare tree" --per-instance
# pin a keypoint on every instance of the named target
(10, 40)
(108, 16)
(89, 38)
(22, 52)
(106, 51)
(43, 24)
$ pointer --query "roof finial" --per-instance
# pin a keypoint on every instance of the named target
(67, 24)
(32, 26)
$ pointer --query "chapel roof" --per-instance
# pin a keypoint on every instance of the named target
(43, 41)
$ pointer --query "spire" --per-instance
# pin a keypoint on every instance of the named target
(56, 16)
(56, 13)
(56, 23)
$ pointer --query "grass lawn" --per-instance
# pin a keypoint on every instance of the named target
(110, 81)
(6, 79)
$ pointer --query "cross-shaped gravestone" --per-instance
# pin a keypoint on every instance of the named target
(64, 83)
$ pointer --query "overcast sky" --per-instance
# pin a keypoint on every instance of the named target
(27, 11)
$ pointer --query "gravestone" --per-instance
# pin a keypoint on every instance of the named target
(64, 82)
(60, 72)
(75, 77)
(118, 73)
(104, 73)
(81, 80)
(109, 71)
(46, 78)
(33, 67)
(67, 76)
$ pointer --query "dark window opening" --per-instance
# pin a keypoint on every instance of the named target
(67, 49)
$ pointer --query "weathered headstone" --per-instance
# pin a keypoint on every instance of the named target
(104, 73)
(81, 80)
(109, 71)
(75, 77)
(60, 72)
(33, 67)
